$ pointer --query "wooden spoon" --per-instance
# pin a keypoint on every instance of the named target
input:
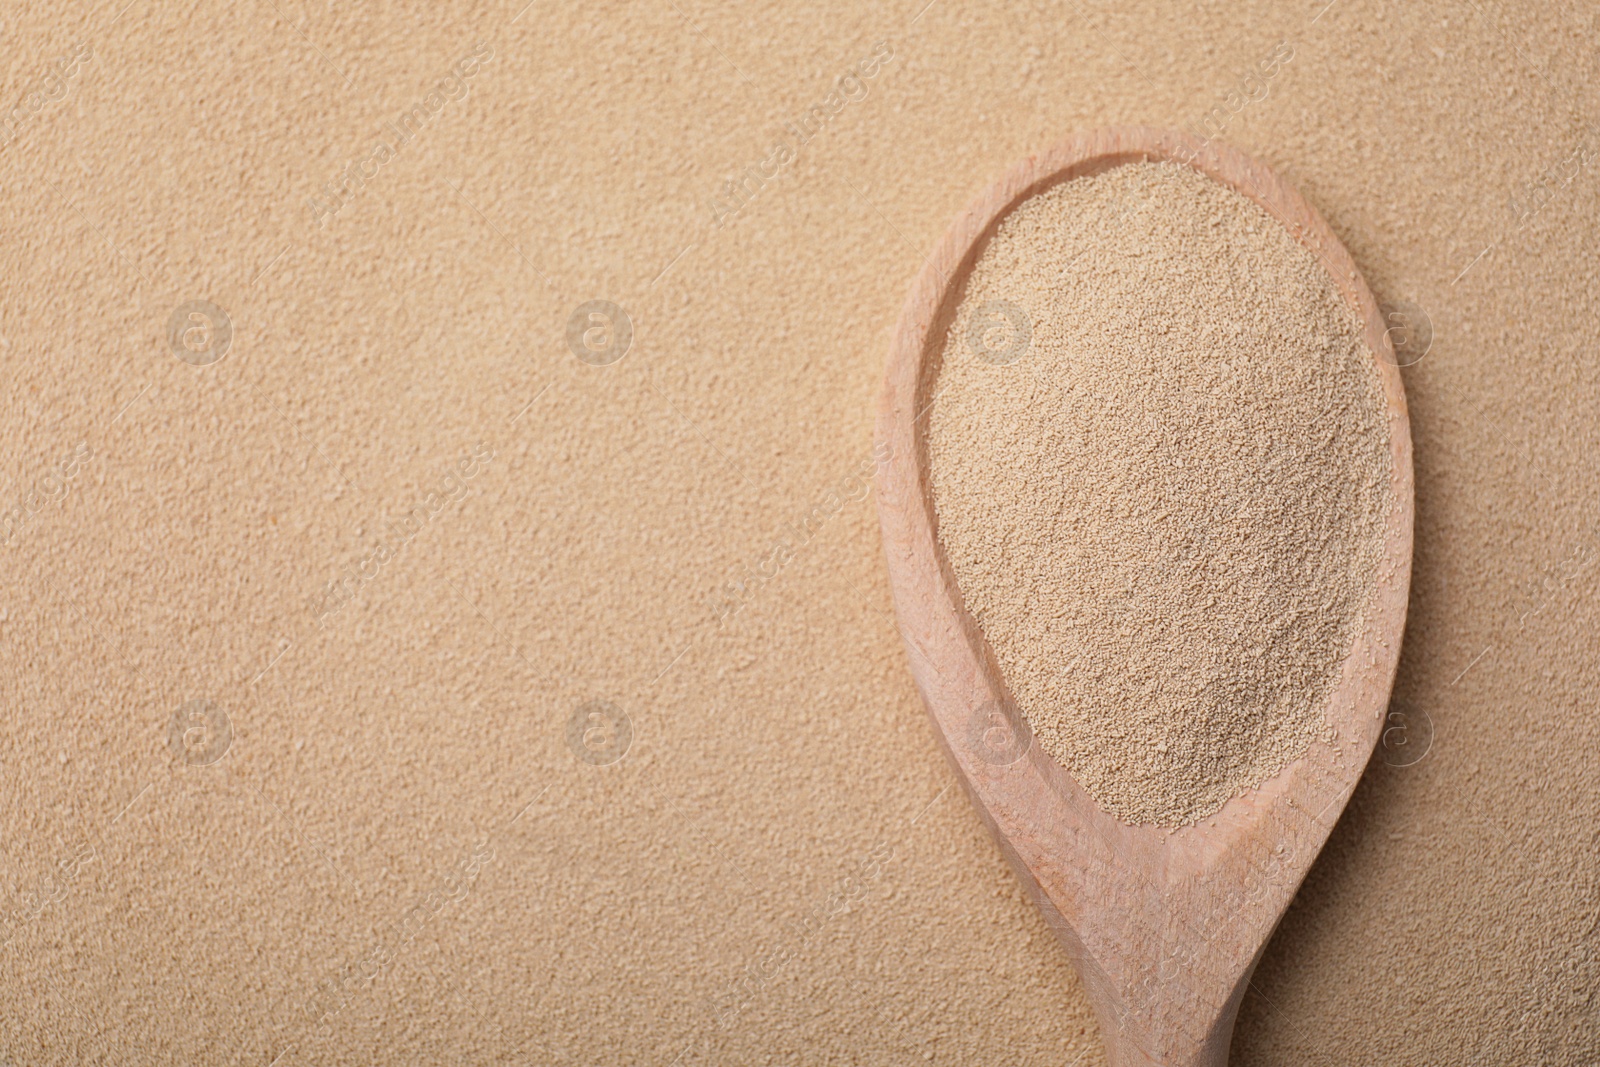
(1164, 926)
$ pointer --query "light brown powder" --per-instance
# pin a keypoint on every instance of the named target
(1160, 464)
(1452, 917)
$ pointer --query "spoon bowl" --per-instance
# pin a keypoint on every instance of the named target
(1165, 927)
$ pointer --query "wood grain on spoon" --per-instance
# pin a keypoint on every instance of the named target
(1164, 926)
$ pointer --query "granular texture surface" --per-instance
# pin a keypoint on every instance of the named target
(1160, 461)
(358, 877)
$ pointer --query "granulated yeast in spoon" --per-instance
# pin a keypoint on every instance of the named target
(1160, 465)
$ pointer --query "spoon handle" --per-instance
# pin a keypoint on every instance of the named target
(1124, 1049)
(1125, 1053)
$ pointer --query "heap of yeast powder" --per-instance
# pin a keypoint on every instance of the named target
(1166, 512)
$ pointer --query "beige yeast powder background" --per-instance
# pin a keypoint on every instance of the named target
(399, 857)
